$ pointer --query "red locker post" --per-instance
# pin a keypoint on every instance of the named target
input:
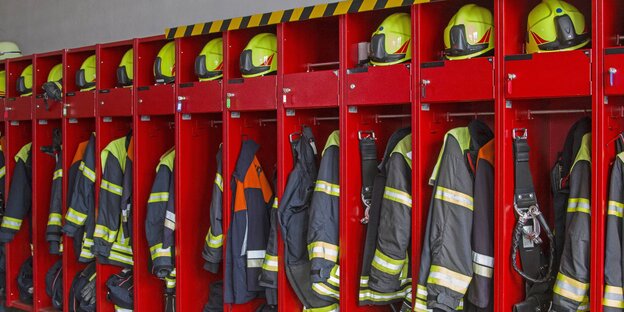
(544, 93)
(249, 113)
(113, 120)
(78, 125)
(48, 116)
(378, 99)
(198, 134)
(153, 136)
(448, 94)
(18, 133)
(309, 54)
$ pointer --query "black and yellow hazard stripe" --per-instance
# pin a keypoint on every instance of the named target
(299, 14)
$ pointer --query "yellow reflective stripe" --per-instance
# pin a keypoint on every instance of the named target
(323, 250)
(158, 197)
(454, 197)
(270, 263)
(615, 209)
(11, 223)
(450, 279)
(421, 292)
(613, 297)
(327, 188)
(579, 205)
(330, 308)
(420, 305)
(87, 172)
(398, 196)
(275, 203)
(58, 174)
(571, 288)
(334, 276)
(386, 264)
(158, 251)
(2, 171)
(214, 241)
(105, 233)
(111, 187)
(325, 290)
(55, 219)
(85, 252)
(219, 181)
(75, 217)
(367, 294)
(122, 248)
(120, 258)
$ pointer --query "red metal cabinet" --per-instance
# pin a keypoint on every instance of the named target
(258, 93)
(457, 81)
(548, 75)
(48, 108)
(313, 89)
(379, 85)
(80, 104)
(198, 97)
(19, 108)
(115, 102)
(614, 71)
(155, 100)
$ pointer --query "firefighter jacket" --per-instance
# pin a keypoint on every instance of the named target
(613, 299)
(20, 195)
(2, 175)
(160, 220)
(447, 259)
(112, 237)
(249, 228)
(80, 216)
(54, 228)
(571, 289)
(213, 248)
(323, 235)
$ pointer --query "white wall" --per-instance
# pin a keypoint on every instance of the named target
(48, 25)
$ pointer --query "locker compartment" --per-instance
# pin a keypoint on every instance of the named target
(18, 134)
(78, 104)
(322, 121)
(257, 93)
(153, 136)
(310, 58)
(75, 131)
(43, 64)
(613, 36)
(613, 63)
(3, 96)
(367, 84)
(113, 98)
(532, 75)
(153, 98)
(383, 121)
(547, 123)
(444, 80)
(108, 129)
(195, 96)
(17, 107)
(261, 127)
(198, 137)
(42, 177)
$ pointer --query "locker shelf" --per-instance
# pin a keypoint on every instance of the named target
(457, 81)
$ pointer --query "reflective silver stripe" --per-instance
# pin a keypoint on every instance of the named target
(421, 292)
(158, 197)
(482, 259)
(327, 188)
(219, 181)
(254, 263)
(170, 225)
(482, 270)
(571, 288)
(123, 248)
(444, 277)
(121, 258)
(397, 196)
(256, 254)
(87, 172)
(58, 174)
(111, 187)
(171, 216)
(454, 197)
(615, 209)
(579, 205)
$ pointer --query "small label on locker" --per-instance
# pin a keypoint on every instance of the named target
(186, 116)
(284, 98)
(290, 112)
(235, 115)
(145, 118)
(606, 100)
(527, 243)
(14, 123)
(227, 102)
(352, 109)
(73, 120)
(424, 107)
(107, 119)
(43, 122)
(508, 104)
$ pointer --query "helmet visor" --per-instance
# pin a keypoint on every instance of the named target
(378, 53)
(81, 80)
(122, 77)
(202, 71)
(158, 74)
(566, 35)
(459, 43)
(247, 67)
(21, 86)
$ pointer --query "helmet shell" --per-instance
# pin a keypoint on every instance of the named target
(125, 70)
(9, 49)
(2, 83)
(209, 62)
(555, 25)
(469, 33)
(164, 64)
(25, 81)
(85, 76)
(391, 43)
(56, 73)
(259, 56)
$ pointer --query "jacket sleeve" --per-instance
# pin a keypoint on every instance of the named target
(390, 262)
(55, 226)
(83, 196)
(19, 199)
(213, 248)
(323, 227)
(571, 289)
(268, 278)
(158, 220)
(109, 209)
(613, 299)
(2, 176)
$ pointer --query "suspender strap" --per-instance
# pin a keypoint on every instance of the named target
(526, 237)
(368, 156)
